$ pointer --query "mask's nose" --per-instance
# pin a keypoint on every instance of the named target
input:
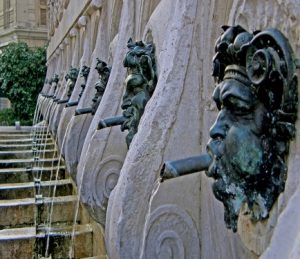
(220, 127)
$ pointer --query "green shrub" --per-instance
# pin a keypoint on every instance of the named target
(22, 73)
(7, 117)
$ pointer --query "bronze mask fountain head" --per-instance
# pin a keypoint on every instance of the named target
(85, 72)
(73, 74)
(72, 77)
(140, 84)
(55, 78)
(104, 72)
(256, 94)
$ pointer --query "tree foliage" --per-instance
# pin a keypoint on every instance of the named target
(22, 73)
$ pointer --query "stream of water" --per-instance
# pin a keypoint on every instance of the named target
(49, 223)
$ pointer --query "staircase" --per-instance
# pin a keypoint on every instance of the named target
(30, 172)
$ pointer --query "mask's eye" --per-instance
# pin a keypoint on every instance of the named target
(237, 106)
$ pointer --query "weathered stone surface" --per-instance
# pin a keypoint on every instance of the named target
(285, 241)
(79, 125)
(105, 147)
(144, 158)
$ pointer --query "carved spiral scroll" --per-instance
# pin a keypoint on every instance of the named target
(170, 233)
(106, 180)
(98, 185)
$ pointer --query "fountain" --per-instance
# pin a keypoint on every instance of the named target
(75, 169)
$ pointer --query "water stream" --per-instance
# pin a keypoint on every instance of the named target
(49, 223)
(40, 139)
(155, 189)
(71, 248)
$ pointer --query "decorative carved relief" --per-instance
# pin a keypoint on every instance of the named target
(97, 186)
(60, 10)
(56, 13)
(283, 15)
(82, 21)
(170, 233)
(96, 4)
(66, 3)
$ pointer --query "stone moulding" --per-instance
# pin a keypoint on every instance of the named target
(140, 85)
(256, 95)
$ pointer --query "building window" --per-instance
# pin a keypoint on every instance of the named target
(6, 13)
(43, 12)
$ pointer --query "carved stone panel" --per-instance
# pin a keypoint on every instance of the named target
(170, 233)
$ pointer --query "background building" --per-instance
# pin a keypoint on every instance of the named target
(23, 20)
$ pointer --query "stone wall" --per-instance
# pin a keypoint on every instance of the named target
(120, 188)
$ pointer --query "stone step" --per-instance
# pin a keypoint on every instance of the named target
(40, 147)
(28, 162)
(15, 135)
(15, 242)
(13, 130)
(19, 175)
(21, 154)
(61, 241)
(9, 191)
(18, 137)
(11, 141)
(22, 212)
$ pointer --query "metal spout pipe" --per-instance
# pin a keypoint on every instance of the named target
(62, 101)
(70, 104)
(175, 168)
(83, 111)
(111, 121)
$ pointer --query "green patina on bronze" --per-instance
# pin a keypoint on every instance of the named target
(256, 94)
(85, 70)
(140, 84)
(54, 82)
